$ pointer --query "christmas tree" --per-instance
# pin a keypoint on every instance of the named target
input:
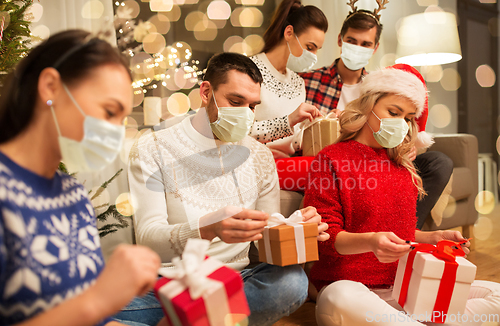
(14, 33)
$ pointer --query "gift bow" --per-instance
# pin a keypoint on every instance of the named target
(294, 220)
(308, 123)
(447, 251)
(192, 273)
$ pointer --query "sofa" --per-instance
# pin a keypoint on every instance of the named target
(460, 211)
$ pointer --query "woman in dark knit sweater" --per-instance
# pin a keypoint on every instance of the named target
(365, 188)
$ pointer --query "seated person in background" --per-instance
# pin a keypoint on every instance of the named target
(205, 178)
(331, 88)
(364, 187)
(291, 42)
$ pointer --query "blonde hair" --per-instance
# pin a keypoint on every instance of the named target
(354, 117)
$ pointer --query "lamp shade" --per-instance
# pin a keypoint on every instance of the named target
(428, 39)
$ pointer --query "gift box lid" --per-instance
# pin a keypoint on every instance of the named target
(286, 232)
(428, 266)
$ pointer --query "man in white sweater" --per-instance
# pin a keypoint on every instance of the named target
(205, 178)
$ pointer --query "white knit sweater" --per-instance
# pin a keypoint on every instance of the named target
(280, 95)
(176, 177)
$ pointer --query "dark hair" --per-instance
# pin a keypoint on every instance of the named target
(364, 20)
(292, 12)
(74, 56)
(220, 64)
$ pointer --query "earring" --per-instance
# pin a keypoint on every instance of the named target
(49, 102)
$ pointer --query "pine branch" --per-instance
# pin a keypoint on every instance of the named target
(105, 185)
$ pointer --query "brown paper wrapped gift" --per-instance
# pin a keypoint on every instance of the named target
(318, 134)
(283, 245)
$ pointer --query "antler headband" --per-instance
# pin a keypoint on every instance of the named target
(375, 14)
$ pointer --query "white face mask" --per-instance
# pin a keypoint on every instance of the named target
(303, 63)
(99, 147)
(233, 123)
(391, 133)
(355, 57)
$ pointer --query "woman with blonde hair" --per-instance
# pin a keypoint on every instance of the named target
(365, 187)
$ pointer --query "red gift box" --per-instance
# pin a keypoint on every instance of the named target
(223, 301)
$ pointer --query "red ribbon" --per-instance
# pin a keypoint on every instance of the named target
(447, 251)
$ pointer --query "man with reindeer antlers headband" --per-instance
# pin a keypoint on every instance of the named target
(330, 89)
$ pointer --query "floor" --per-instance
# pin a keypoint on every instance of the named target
(486, 256)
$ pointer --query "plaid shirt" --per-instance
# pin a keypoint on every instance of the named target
(323, 87)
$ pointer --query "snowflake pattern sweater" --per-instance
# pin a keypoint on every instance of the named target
(358, 189)
(49, 244)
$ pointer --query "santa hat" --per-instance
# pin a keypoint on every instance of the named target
(403, 80)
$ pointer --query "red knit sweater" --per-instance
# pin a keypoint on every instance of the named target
(357, 189)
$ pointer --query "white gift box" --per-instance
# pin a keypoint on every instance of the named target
(424, 284)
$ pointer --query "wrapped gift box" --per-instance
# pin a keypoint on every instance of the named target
(318, 135)
(437, 290)
(283, 246)
(288, 241)
(219, 298)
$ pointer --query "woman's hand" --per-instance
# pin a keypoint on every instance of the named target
(436, 236)
(388, 247)
(303, 112)
(310, 215)
(132, 270)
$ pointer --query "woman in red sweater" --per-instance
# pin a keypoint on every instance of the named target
(365, 188)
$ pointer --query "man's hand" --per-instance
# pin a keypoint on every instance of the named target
(310, 215)
(303, 112)
(246, 225)
(388, 247)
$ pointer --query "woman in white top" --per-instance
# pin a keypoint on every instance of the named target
(295, 35)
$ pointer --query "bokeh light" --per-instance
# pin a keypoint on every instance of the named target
(161, 22)
(33, 13)
(432, 74)
(426, 3)
(220, 23)
(152, 110)
(485, 76)
(92, 9)
(498, 145)
(195, 99)
(250, 2)
(451, 80)
(483, 228)
(131, 133)
(493, 26)
(142, 30)
(241, 48)
(131, 123)
(131, 7)
(41, 31)
(251, 17)
(196, 19)
(174, 14)
(138, 96)
(169, 81)
(488, 1)
(451, 207)
(440, 116)
(230, 41)
(207, 34)
(161, 5)
(219, 10)
(178, 104)
(123, 204)
(255, 42)
(189, 75)
(484, 202)
(235, 16)
(179, 79)
(154, 43)
(388, 59)
(142, 65)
